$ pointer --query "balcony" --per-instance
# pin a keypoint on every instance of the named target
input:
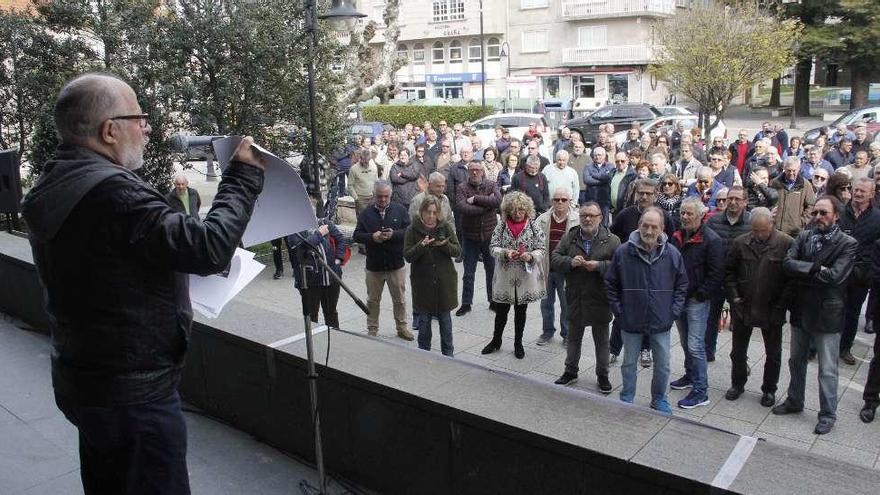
(603, 9)
(608, 55)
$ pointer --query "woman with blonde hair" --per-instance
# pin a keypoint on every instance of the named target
(518, 247)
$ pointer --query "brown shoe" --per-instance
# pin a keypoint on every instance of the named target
(405, 334)
(848, 358)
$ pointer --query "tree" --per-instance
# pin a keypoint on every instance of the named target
(367, 77)
(33, 65)
(712, 54)
(131, 40)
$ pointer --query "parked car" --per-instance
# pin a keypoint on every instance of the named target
(673, 110)
(869, 114)
(516, 123)
(369, 129)
(667, 123)
(622, 114)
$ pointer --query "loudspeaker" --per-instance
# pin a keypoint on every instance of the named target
(10, 181)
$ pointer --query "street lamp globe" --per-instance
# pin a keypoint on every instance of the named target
(343, 15)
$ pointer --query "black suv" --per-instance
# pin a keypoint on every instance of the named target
(619, 115)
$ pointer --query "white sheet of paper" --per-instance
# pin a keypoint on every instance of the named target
(283, 208)
(209, 294)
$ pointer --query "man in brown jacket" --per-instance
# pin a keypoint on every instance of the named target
(796, 198)
(755, 286)
(476, 202)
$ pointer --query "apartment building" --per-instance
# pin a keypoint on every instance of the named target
(595, 50)
(441, 41)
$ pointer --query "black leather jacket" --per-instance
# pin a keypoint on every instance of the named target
(819, 278)
(113, 256)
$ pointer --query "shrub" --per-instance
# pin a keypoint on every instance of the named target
(400, 115)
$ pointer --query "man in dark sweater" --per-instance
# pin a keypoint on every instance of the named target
(381, 228)
(533, 184)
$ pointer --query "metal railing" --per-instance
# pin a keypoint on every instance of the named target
(586, 9)
(608, 55)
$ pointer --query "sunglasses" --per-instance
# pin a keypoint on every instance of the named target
(846, 188)
(721, 200)
(669, 184)
(819, 178)
(620, 161)
(560, 200)
(820, 213)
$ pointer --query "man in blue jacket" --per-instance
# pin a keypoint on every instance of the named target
(703, 254)
(647, 287)
(381, 228)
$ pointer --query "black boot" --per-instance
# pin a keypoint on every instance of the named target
(518, 350)
(495, 343)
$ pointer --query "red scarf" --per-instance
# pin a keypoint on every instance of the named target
(516, 228)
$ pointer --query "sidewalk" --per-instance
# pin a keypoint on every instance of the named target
(38, 447)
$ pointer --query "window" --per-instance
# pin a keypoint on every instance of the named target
(534, 41)
(455, 52)
(475, 51)
(448, 10)
(493, 49)
(403, 51)
(450, 91)
(438, 53)
(585, 87)
(593, 37)
(550, 86)
(532, 4)
(419, 53)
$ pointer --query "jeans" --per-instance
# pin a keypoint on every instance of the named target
(396, 280)
(694, 343)
(573, 350)
(444, 318)
(615, 343)
(137, 450)
(872, 384)
(828, 348)
(632, 343)
(555, 285)
(472, 251)
(855, 299)
(742, 335)
(716, 305)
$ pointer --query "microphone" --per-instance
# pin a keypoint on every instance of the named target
(180, 143)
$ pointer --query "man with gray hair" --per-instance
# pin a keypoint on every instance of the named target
(381, 228)
(561, 175)
(119, 347)
(532, 182)
(554, 223)
(436, 188)
(796, 198)
(755, 284)
(703, 254)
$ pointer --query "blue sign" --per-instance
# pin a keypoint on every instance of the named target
(454, 78)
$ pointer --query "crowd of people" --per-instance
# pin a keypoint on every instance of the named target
(665, 229)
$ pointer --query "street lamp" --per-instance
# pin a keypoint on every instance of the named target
(505, 53)
(341, 12)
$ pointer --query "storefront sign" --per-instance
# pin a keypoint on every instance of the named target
(454, 78)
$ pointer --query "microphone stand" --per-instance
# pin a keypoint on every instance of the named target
(312, 374)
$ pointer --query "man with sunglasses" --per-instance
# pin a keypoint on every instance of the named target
(820, 181)
(819, 262)
(554, 223)
(119, 347)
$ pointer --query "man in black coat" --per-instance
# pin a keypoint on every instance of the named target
(184, 198)
(533, 183)
(819, 261)
(861, 221)
(381, 228)
(119, 347)
(871, 395)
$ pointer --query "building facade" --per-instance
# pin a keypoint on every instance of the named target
(592, 51)
(441, 41)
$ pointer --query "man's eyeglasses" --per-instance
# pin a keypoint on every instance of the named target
(721, 200)
(846, 188)
(716, 159)
(620, 161)
(560, 200)
(819, 178)
(704, 181)
(820, 213)
(141, 118)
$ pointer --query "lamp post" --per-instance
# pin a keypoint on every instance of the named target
(794, 92)
(505, 53)
(482, 60)
(341, 11)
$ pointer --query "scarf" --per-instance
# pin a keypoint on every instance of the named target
(669, 203)
(819, 239)
(516, 228)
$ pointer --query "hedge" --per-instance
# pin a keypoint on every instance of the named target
(400, 115)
